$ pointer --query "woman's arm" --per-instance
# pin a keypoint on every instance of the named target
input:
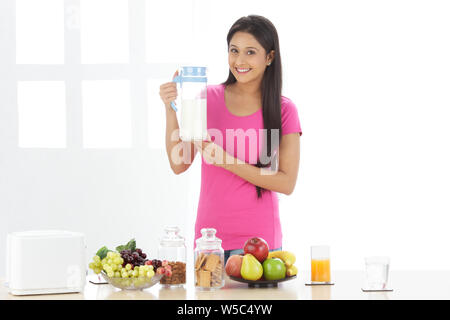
(181, 154)
(282, 181)
(175, 147)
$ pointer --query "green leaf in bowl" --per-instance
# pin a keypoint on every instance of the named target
(131, 245)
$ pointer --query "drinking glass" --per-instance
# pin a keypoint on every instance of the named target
(320, 265)
(377, 272)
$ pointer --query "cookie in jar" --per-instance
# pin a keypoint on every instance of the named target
(209, 261)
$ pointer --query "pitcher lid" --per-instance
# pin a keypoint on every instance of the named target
(193, 71)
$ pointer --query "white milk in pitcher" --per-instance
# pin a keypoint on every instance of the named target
(193, 120)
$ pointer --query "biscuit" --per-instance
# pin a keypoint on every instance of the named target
(205, 278)
(200, 260)
(211, 262)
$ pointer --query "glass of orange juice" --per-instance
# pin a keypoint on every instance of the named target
(320, 265)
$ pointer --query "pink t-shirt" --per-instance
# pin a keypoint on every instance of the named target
(227, 202)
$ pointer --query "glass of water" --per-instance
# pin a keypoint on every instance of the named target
(377, 272)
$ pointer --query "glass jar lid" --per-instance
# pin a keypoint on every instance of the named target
(208, 240)
(171, 238)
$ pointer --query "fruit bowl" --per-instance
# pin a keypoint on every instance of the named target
(262, 283)
(138, 283)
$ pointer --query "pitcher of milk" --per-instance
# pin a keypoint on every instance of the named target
(192, 94)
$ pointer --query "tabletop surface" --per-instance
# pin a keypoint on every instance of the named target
(408, 285)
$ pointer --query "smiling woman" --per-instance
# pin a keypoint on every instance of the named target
(254, 145)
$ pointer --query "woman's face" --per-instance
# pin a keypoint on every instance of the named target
(247, 58)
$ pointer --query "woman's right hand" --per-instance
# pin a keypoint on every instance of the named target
(168, 92)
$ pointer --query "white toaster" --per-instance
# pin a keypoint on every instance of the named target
(45, 262)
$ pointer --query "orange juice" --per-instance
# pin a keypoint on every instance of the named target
(320, 270)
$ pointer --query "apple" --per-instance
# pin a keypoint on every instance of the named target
(257, 247)
(274, 269)
(233, 266)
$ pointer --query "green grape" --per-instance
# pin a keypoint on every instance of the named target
(150, 274)
(121, 260)
(135, 273)
(124, 274)
(117, 274)
(128, 266)
(111, 274)
(116, 260)
(96, 259)
(110, 254)
(92, 265)
(114, 267)
(97, 270)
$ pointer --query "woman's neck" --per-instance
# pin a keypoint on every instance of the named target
(247, 89)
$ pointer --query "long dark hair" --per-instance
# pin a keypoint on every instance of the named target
(266, 34)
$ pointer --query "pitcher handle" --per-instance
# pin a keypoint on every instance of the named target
(177, 79)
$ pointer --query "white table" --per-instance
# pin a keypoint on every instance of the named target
(406, 284)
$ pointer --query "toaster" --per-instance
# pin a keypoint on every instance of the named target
(45, 262)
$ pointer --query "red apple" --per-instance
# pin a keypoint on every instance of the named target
(233, 266)
(258, 248)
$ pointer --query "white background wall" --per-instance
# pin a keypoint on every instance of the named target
(82, 126)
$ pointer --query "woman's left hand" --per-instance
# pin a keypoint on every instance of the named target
(214, 154)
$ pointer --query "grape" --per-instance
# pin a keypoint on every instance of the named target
(144, 255)
(111, 274)
(139, 251)
(117, 274)
(135, 273)
(128, 267)
(96, 259)
(110, 254)
(116, 260)
(156, 263)
(97, 270)
(92, 265)
(135, 255)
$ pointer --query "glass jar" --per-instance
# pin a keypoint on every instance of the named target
(209, 261)
(172, 249)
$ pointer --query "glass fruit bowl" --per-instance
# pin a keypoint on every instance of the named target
(138, 283)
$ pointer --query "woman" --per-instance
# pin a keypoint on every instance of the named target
(238, 195)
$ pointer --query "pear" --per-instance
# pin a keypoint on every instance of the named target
(251, 268)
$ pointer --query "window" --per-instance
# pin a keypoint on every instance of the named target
(42, 114)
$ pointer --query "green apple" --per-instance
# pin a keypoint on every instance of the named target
(274, 269)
